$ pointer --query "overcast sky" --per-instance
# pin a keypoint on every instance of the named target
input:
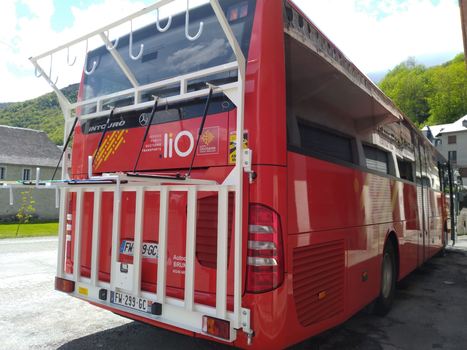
(375, 34)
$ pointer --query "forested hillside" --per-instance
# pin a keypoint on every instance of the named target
(435, 95)
(42, 113)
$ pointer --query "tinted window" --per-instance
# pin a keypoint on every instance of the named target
(406, 169)
(376, 159)
(325, 143)
(170, 53)
(424, 180)
(164, 114)
(2, 173)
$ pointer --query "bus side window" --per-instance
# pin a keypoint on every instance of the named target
(376, 159)
(406, 169)
(324, 143)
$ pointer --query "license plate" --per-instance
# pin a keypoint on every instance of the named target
(148, 250)
(130, 301)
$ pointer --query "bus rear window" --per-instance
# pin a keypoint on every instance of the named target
(170, 54)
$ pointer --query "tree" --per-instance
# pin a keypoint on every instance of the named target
(436, 95)
(408, 86)
(26, 210)
(448, 102)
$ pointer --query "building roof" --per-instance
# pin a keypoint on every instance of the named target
(458, 125)
(21, 146)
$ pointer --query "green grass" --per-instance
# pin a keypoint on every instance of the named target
(29, 230)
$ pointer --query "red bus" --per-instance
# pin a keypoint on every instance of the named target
(331, 197)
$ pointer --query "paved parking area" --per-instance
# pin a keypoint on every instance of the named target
(430, 311)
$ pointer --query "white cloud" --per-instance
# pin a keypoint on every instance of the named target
(26, 37)
(372, 42)
(377, 35)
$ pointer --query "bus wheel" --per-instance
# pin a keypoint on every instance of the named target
(388, 281)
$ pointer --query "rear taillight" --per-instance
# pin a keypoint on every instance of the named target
(265, 257)
(64, 285)
(216, 327)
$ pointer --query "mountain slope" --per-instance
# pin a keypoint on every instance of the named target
(41, 113)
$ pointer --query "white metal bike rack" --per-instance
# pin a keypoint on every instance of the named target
(184, 313)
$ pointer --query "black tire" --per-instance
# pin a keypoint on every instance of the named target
(385, 299)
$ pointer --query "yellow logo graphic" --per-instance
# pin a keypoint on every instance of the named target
(109, 147)
(207, 137)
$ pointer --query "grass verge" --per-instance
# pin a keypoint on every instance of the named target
(29, 230)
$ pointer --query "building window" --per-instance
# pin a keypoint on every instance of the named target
(376, 159)
(452, 156)
(26, 174)
(2, 173)
(452, 139)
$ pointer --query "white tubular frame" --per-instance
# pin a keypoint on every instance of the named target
(186, 314)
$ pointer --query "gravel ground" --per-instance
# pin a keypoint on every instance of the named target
(430, 311)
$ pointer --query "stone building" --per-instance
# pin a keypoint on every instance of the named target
(21, 152)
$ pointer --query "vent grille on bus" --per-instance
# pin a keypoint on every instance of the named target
(206, 230)
(318, 281)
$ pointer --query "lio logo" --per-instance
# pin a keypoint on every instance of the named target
(172, 144)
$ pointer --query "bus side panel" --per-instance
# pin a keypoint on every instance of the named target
(265, 86)
(436, 221)
(409, 241)
(338, 228)
(340, 217)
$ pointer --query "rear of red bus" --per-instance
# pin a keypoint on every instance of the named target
(169, 150)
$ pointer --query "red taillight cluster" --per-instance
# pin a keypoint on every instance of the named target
(265, 257)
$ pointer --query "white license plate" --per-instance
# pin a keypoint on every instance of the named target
(148, 250)
(130, 301)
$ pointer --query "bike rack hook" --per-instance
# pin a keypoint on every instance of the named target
(111, 46)
(50, 71)
(68, 57)
(94, 63)
(187, 23)
(36, 72)
(130, 47)
(167, 26)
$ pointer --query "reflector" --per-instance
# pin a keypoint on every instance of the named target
(64, 285)
(216, 327)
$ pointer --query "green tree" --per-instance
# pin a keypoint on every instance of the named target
(408, 86)
(448, 101)
(26, 210)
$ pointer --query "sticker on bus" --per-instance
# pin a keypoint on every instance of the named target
(233, 145)
(148, 250)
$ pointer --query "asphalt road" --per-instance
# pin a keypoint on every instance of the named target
(430, 311)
